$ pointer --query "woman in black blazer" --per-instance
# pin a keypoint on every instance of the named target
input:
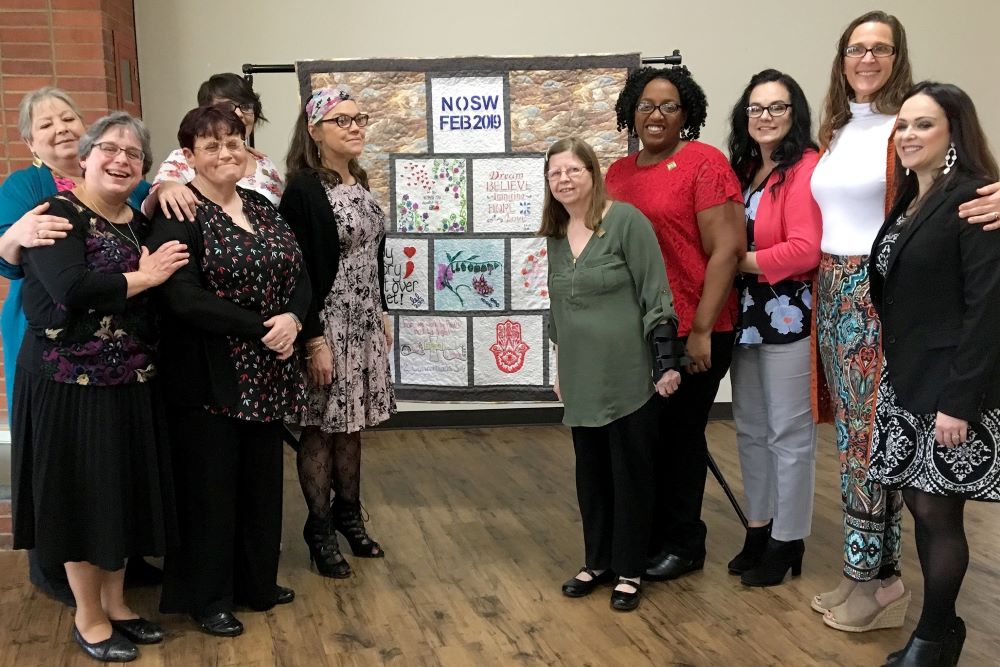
(935, 282)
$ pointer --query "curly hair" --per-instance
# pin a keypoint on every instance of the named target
(693, 100)
(744, 153)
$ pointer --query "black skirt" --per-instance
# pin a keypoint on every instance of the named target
(91, 472)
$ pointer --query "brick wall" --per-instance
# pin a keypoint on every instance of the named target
(78, 45)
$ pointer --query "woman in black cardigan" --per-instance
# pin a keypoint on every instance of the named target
(230, 320)
(935, 282)
(341, 230)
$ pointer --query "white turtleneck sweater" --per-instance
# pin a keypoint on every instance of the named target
(849, 182)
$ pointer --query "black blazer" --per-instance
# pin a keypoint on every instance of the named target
(195, 361)
(940, 307)
(305, 207)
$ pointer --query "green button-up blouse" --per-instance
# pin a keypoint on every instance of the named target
(604, 305)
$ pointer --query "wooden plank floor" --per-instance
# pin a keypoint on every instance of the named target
(481, 527)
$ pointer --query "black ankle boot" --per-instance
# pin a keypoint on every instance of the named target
(753, 548)
(778, 558)
(920, 653)
(347, 518)
(324, 550)
(955, 641)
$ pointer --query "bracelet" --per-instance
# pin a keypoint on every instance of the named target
(298, 322)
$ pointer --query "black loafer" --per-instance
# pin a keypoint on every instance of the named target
(664, 568)
(113, 649)
(222, 624)
(139, 630)
(284, 595)
(622, 601)
(577, 588)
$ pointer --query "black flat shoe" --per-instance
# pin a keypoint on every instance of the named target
(577, 588)
(139, 630)
(622, 601)
(222, 624)
(113, 649)
(284, 596)
(669, 566)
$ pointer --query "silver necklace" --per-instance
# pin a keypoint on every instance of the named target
(131, 238)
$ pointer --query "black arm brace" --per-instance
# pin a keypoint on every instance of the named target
(668, 350)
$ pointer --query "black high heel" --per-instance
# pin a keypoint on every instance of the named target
(324, 550)
(778, 558)
(919, 653)
(347, 518)
(754, 545)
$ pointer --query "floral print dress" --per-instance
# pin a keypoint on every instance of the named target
(361, 394)
(770, 314)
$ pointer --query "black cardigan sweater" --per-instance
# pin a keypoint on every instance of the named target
(195, 361)
(305, 207)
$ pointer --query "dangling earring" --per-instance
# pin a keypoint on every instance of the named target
(907, 171)
(950, 158)
(36, 161)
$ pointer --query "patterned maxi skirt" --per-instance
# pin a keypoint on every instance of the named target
(848, 334)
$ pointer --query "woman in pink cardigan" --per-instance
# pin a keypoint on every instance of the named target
(773, 154)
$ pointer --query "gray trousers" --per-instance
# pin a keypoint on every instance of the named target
(775, 435)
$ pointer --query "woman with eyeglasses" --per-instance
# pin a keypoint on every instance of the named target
(230, 320)
(260, 173)
(51, 125)
(691, 195)
(347, 331)
(608, 287)
(90, 458)
(773, 154)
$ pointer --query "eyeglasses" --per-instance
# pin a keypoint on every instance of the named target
(879, 51)
(775, 109)
(572, 172)
(344, 121)
(245, 107)
(667, 108)
(111, 149)
(214, 148)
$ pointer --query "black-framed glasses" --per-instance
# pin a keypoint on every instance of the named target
(245, 107)
(879, 51)
(344, 121)
(667, 108)
(111, 149)
(215, 147)
(775, 109)
(572, 172)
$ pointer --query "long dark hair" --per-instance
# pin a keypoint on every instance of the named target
(836, 106)
(744, 153)
(972, 148)
(303, 155)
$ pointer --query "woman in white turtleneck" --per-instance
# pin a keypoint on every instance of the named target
(870, 78)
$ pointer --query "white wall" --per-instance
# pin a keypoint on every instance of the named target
(182, 42)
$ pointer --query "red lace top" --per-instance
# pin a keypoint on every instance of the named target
(671, 193)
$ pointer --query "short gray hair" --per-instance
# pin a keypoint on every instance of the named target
(116, 119)
(26, 111)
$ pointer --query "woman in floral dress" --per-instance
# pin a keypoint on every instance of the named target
(341, 230)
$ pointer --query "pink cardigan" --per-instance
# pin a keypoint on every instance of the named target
(789, 226)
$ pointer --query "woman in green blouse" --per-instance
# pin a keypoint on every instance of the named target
(613, 323)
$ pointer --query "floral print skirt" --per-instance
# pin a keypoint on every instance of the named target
(905, 454)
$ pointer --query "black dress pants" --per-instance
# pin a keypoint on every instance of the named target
(681, 458)
(228, 480)
(614, 485)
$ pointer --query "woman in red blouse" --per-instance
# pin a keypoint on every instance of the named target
(691, 195)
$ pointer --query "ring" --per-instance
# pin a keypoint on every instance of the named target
(956, 436)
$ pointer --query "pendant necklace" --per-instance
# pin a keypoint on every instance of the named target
(131, 238)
